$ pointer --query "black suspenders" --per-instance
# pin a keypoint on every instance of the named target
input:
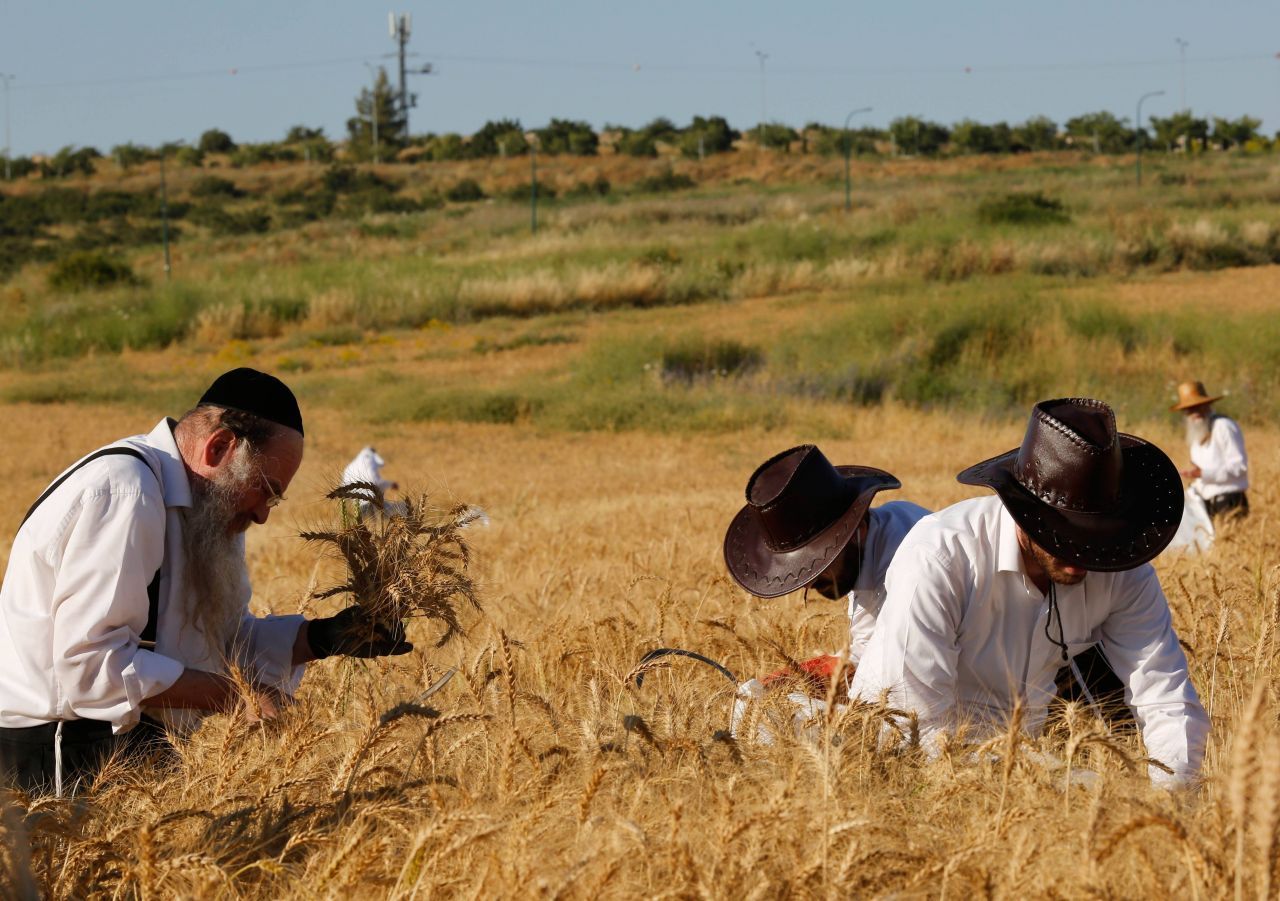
(148, 637)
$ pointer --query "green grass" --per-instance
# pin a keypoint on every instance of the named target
(946, 287)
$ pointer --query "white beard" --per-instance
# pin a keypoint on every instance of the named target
(214, 596)
(1199, 429)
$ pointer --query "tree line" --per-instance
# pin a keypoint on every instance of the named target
(377, 113)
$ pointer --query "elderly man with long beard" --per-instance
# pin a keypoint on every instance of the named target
(1219, 465)
(126, 596)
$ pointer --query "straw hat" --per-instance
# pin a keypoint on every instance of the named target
(1192, 394)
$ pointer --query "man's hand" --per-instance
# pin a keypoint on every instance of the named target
(1192, 473)
(351, 633)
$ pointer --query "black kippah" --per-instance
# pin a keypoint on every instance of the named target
(251, 391)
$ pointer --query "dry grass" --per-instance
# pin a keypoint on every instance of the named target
(541, 769)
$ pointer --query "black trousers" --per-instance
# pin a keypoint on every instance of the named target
(28, 761)
(1103, 684)
(1233, 505)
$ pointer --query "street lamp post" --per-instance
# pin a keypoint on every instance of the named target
(8, 146)
(848, 151)
(373, 110)
(164, 218)
(532, 139)
(1138, 126)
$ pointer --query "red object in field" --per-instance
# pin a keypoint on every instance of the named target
(817, 673)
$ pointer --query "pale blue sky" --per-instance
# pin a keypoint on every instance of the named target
(102, 73)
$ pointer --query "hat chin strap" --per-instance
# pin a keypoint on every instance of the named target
(1053, 609)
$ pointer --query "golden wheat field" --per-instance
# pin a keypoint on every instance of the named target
(541, 770)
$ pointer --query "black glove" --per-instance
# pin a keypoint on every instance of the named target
(351, 633)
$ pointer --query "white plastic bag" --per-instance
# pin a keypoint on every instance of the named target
(1195, 533)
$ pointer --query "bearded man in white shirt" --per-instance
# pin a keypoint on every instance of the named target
(988, 598)
(126, 593)
(1219, 465)
(809, 524)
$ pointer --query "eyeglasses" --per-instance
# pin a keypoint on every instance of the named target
(274, 497)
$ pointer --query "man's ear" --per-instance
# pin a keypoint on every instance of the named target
(216, 448)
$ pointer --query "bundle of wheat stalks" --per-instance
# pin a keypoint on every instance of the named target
(409, 560)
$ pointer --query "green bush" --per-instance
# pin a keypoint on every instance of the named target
(1022, 208)
(213, 186)
(599, 187)
(216, 141)
(88, 270)
(468, 190)
(520, 193)
(695, 359)
(665, 181)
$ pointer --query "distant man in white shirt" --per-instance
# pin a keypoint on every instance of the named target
(366, 467)
(1219, 465)
(809, 524)
(126, 592)
(988, 598)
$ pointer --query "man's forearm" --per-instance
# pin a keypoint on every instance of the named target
(196, 690)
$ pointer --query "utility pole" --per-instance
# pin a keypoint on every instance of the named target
(399, 28)
(8, 147)
(1182, 74)
(764, 108)
(164, 218)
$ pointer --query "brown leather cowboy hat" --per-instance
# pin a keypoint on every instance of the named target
(1192, 394)
(801, 512)
(1091, 496)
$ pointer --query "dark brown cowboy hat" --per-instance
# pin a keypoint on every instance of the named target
(801, 512)
(1090, 496)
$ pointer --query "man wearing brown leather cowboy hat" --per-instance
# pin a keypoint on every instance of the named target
(988, 598)
(807, 523)
(1219, 465)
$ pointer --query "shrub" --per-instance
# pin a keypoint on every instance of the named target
(466, 191)
(213, 186)
(701, 359)
(665, 181)
(89, 269)
(216, 141)
(599, 187)
(520, 193)
(1022, 208)
(221, 222)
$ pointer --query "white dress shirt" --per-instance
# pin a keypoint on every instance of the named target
(74, 598)
(887, 525)
(366, 467)
(1224, 466)
(961, 637)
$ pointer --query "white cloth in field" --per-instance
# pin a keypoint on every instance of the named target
(366, 467)
(1224, 465)
(887, 526)
(773, 713)
(1195, 532)
(74, 599)
(961, 638)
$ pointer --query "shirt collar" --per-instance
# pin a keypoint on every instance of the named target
(173, 472)
(1008, 551)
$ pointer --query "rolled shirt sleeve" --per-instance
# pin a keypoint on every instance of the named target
(111, 549)
(1228, 463)
(1141, 646)
(265, 649)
